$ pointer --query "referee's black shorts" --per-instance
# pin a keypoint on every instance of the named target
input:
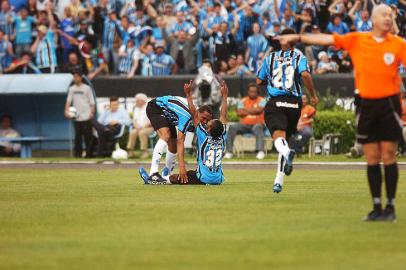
(158, 119)
(379, 120)
(283, 113)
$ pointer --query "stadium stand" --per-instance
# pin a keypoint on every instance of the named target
(122, 37)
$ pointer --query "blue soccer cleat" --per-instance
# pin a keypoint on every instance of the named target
(144, 175)
(289, 162)
(277, 188)
(165, 172)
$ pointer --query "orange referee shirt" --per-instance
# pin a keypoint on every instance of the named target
(376, 64)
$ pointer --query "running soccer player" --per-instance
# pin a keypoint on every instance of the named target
(211, 138)
(171, 119)
(376, 56)
(282, 72)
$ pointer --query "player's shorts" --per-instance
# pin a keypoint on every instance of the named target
(379, 120)
(158, 119)
(283, 113)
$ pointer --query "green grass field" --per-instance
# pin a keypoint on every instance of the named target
(106, 219)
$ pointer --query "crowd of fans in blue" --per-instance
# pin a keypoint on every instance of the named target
(155, 38)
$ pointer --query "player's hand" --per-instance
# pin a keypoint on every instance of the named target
(182, 177)
(314, 100)
(285, 39)
(187, 88)
(224, 89)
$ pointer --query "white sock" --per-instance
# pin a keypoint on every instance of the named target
(159, 149)
(170, 161)
(279, 171)
(282, 146)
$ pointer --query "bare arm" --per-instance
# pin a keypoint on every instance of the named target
(308, 82)
(133, 69)
(71, 40)
(224, 105)
(187, 88)
(150, 9)
(313, 39)
(354, 8)
(181, 157)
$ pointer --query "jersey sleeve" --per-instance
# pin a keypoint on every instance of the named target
(345, 41)
(263, 70)
(303, 65)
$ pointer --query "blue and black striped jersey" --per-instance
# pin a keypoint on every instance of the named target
(282, 71)
(177, 112)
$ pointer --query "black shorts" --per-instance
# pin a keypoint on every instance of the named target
(379, 120)
(158, 119)
(283, 113)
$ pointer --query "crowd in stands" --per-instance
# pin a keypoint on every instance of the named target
(155, 37)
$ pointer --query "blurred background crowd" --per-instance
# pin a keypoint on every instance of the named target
(155, 38)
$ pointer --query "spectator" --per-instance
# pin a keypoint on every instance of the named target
(6, 130)
(312, 51)
(257, 45)
(6, 19)
(129, 59)
(238, 67)
(180, 25)
(345, 63)
(80, 96)
(337, 25)
(23, 65)
(109, 125)
(304, 127)
(222, 68)
(74, 64)
(6, 52)
(325, 65)
(162, 64)
(181, 49)
(141, 127)
(44, 49)
(23, 31)
(68, 27)
(251, 112)
(111, 30)
(360, 18)
(222, 42)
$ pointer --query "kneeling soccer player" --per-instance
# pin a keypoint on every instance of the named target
(211, 138)
(282, 72)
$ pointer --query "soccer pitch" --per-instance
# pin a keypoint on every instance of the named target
(107, 219)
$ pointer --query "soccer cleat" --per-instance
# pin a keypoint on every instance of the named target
(277, 188)
(289, 162)
(165, 172)
(156, 179)
(388, 214)
(144, 175)
(374, 215)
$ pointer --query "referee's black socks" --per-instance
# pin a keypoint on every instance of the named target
(375, 184)
(391, 182)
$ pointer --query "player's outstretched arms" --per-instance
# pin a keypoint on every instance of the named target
(314, 39)
(308, 82)
(224, 105)
(187, 88)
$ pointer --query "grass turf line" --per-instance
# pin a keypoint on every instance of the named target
(92, 219)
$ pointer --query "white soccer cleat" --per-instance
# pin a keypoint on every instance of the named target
(261, 155)
(228, 155)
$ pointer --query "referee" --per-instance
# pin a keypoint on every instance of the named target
(376, 56)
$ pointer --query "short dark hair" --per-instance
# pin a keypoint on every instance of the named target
(206, 108)
(77, 71)
(287, 31)
(113, 98)
(254, 85)
(217, 128)
(6, 116)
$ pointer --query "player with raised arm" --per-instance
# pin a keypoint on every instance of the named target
(282, 72)
(211, 139)
(376, 56)
(171, 119)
